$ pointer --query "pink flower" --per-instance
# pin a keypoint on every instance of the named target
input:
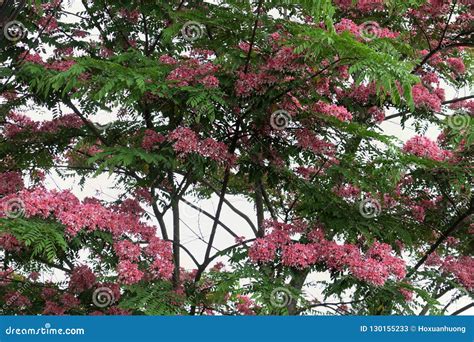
(336, 111)
(10, 182)
(48, 293)
(213, 149)
(406, 293)
(185, 140)
(167, 59)
(127, 250)
(209, 81)
(456, 64)
(347, 191)
(48, 23)
(82, 278)
(298, 255)
(9, 243)
(244, 46)
(262, 251)
(16, 299)
(307, 140)
(162, 268)
(151, 138)
(423, 98)
(418, 213)
(377, 114)
(128, 272)
(244, 305)
(462, 269)
(131, 16)
(70, 301)
(424, 147)
(54, 309)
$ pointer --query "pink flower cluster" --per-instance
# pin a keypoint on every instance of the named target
(151, 138)
(130, 16)
(10, 182)
(461, 268)
(244, 305)
(406, 293)
(48, 23)
(347, 191)
(128, 272)
(361, 5)
(361, 93)
(17, 123)
(423, 147)
(16, 299)
(423, 98)
(374, 267)
(456, 64)
(127, 250)
(248, 83)
(82, 278)
(186, 141)
(281, 62)
(377, 114)
(467, 105)
(358, 30)
(92, 215)
(191, 72)
(336, 111)
(56, 65)
(9, 243)
(308, 141)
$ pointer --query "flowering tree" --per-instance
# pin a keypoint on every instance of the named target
(278, 102)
